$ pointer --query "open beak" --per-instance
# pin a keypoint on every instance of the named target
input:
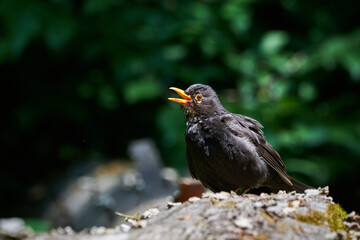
(185, 98)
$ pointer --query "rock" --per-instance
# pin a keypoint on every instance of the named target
(243, 223)
(173, 204)
(150, 213)
(97, 230)
(137, 223)
(312, 215)
(91, 192)
(14, 228)
(194, 199)
(125, 228)
(312, 192)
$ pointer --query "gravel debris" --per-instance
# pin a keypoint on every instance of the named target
(243, 223)
(173, 204)
(137, 224)
(193, 199)
(150, 213)
(125, 228)
(312, 192)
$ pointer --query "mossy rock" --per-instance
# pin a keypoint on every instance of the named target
(334, 217)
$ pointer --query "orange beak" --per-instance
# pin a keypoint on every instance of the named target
(185, 98)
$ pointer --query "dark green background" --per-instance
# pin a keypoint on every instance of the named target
(80, 79)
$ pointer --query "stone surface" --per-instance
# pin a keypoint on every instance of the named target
(312, 215)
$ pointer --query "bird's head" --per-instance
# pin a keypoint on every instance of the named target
(198, 100)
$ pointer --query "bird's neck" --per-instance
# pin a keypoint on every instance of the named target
(212, 109)
(193, 118)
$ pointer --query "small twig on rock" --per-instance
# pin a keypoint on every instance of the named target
(135, 217)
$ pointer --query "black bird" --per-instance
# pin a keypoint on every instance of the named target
(228, 151)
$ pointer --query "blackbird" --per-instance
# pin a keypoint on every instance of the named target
(227, 151)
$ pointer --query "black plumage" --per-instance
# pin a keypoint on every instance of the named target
(228, 151)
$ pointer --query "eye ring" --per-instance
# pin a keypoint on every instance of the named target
(198, 97)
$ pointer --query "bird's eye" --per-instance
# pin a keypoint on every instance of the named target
(198, 97)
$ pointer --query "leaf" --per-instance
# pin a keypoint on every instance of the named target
(59, 31)
(146, 89)
(107, 97)
(273, 41)
(91, 7)
(174, 52)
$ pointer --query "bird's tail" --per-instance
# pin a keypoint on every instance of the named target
(299, 186)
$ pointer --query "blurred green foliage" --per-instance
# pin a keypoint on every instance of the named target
(38, 225)
(83, 78)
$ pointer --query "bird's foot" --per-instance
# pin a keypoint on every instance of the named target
(242, 191)
(245, 191)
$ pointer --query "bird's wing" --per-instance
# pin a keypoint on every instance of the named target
(251, 129)
(271, 157)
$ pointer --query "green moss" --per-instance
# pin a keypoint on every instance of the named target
(336, 216)
(313, 217)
